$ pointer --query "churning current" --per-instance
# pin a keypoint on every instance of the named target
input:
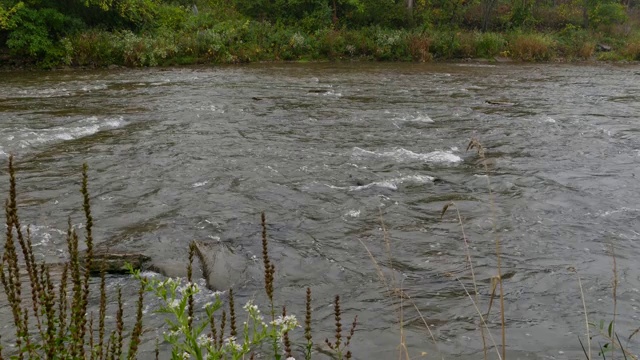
(336, 153)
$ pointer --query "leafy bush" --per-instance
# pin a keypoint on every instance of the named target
(444, 44)
(170, 17)
(575, 42)
(94, 48)
(144, 50)
(391, 45)
(489, 45)
(607, 14)
(37, 35)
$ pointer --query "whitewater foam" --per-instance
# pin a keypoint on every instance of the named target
(391, 184)
(402, 155)
(353, 213)
(419, 117)
(81, 128)
(199, 184)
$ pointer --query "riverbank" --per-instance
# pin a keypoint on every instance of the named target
(250, 41)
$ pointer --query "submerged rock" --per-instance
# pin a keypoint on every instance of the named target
(222, 268)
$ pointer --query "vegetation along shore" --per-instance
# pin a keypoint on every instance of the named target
(50, 34)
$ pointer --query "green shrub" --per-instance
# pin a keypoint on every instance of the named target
(171, 17)
(94, 48)
(391, 45)
(38, 33)
(444, 44)
(575, 43)
(607, 14)
(490, 45)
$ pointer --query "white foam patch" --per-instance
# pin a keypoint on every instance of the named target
(82, 128)
(391, 184)
(199, 184)
(402, 155)
(617, 211)
(43, 235)
(42, 93)
(332, 93)
(419, 117)
(353, 213)
(549, 119)
(94, 87)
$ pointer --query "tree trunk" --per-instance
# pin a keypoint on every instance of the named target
(487, 11)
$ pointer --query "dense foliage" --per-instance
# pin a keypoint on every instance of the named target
(152, 32)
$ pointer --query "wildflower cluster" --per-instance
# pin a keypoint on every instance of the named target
(196, 342)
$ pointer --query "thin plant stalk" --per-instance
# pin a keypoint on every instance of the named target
(586, 317)
(384, 281)
(480, 149)
(615, 301)
(481, 318)
(470, 263)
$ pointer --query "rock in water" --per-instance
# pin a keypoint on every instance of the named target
(114, 262)
(222, 269)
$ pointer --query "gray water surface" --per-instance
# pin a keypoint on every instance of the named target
(327, 150)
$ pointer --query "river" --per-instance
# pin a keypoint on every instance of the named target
(330, 150)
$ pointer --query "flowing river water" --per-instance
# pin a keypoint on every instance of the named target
(327, 151)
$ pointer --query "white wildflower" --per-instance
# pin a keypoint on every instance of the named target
(192, 287)
(204, 340)
(217, 294)
(286, 323)
(249, 307)
(175, 303)
(185, 355)
(231, 344)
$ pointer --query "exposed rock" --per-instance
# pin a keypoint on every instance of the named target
(603, 47)
(115, 262)
(499, 102)
(221, 267)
